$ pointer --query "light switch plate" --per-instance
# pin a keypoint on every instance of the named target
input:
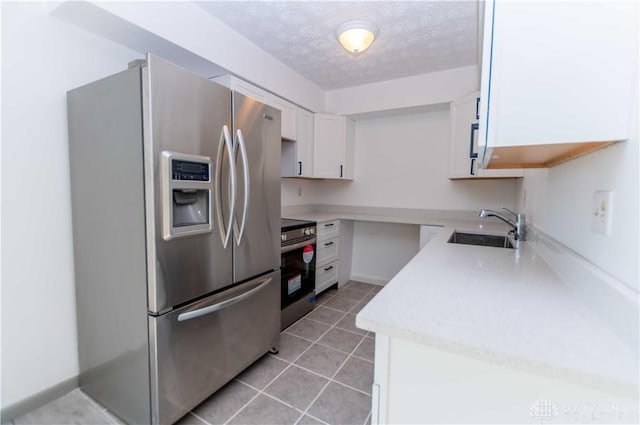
(602, 211)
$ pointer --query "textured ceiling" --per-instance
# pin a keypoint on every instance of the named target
(414, 37)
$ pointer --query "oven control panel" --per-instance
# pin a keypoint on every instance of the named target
(289, 237)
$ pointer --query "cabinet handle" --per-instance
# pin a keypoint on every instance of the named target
(472, 138)
(340, 170)
(299, 168)
(473, 160)
(326, 269)
(477, 108)
(328, 244)
(329, 224)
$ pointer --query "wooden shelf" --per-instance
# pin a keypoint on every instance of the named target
(540, 156)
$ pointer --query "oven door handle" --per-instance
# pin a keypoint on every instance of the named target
(289, 248)
(221, 305)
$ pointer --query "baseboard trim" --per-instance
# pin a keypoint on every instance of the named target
(38, 400)
(374, 280)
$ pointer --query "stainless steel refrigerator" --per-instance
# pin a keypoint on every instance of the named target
(175, 190)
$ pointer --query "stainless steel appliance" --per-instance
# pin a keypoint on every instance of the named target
(298, 267)
(175, 185)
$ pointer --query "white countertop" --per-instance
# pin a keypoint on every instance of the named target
(505, 306)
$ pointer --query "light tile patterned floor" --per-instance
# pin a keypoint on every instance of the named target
(322, 375)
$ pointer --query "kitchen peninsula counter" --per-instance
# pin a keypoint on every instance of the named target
(494, 335)
(503, 306)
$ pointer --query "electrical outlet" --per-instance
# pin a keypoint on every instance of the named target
(602, 211)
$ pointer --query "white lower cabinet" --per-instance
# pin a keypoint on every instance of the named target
(326, 275)
(328, 251)
(420, 384)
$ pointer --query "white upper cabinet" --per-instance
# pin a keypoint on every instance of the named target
(464, 151)
(557, 79)
(304, 144)
(289, 116)
(313, 145)
(333, 147)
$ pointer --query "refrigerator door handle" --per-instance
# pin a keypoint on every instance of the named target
(222, 304)
(245, 167)
(225, 141)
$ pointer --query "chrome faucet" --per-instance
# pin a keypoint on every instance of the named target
(519, 232)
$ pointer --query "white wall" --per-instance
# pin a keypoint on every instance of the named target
(296, 191)
(152, 26)
(417, 90)
(380, 250)
(402, 162)
(42, 58)
(560, 201)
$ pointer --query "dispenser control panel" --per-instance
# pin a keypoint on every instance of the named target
(189, 170)
(187, 194)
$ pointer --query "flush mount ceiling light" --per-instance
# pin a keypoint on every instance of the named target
(356, 36)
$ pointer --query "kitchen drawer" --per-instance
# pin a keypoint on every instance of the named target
(328, 230)
(327, 251)
(326, 276)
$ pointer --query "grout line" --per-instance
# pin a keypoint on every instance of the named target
(298, 420)
(366, 420)
(243, 406)
(350, 387)
(292, 364)
(330, 308)
(362, 358)
(101, 408)
(311, 371)
(199, 418)
(276, 377)
(329, 378)
(349, 330)
(336, 349)
(333, 376)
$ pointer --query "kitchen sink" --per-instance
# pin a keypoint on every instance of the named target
(483, 240)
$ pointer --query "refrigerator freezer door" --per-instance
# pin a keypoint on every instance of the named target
(198, 348)
(184, 114)
(257, 147)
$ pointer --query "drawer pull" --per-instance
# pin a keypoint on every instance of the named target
(328, 244)
(329, 224)
(326, 269)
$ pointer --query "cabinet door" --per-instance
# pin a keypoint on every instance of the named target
(329, 145)
(464, 149)
(304, 144)
(556, 73)
(289, 117)
(463, 144)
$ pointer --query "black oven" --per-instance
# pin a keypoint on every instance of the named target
(298, 269)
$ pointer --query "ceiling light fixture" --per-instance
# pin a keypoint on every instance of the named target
(356, 36)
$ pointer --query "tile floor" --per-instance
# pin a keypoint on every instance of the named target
(322, 375)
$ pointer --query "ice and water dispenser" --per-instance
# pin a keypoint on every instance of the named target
(186, 194)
